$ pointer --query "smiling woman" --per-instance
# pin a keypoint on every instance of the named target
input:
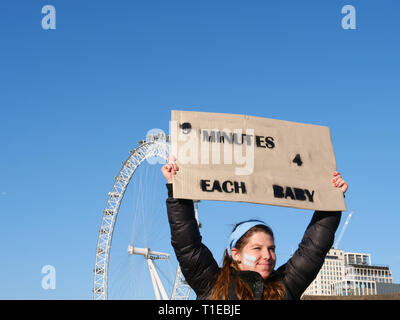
(251, 247)
(256, 248)
(248, 268)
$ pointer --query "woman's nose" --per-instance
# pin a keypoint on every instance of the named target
(266, 254)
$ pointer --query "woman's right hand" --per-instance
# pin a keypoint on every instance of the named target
(170, 169)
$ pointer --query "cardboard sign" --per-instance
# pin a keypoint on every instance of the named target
(242, 158)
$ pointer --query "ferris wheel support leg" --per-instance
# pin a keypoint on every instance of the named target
(157, 284)
(154, 281)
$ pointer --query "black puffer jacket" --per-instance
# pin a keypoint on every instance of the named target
(199, 266)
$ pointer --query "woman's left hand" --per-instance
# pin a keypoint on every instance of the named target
(338, 182)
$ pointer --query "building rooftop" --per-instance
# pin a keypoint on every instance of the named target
(368, 266)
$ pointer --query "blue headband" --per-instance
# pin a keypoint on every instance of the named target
(240, 231)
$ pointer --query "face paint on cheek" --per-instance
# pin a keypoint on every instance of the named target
(248, 260)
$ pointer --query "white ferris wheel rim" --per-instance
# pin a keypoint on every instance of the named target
(153, 148)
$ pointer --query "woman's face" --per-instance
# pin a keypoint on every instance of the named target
(257, 255)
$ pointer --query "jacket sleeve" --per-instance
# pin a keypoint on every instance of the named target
(196, 261)
(304, 265)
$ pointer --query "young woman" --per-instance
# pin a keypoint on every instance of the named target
(248, 268)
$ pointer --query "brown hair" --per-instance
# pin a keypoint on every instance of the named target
(229, 273)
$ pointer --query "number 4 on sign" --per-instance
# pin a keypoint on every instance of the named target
(297, 160)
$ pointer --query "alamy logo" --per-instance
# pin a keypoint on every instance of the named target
(349, 20)
(217, 146)
(49, 280)
(49, 20)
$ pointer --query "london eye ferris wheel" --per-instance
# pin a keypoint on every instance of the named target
(134, 256)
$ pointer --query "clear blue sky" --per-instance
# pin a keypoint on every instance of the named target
(76, 99)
